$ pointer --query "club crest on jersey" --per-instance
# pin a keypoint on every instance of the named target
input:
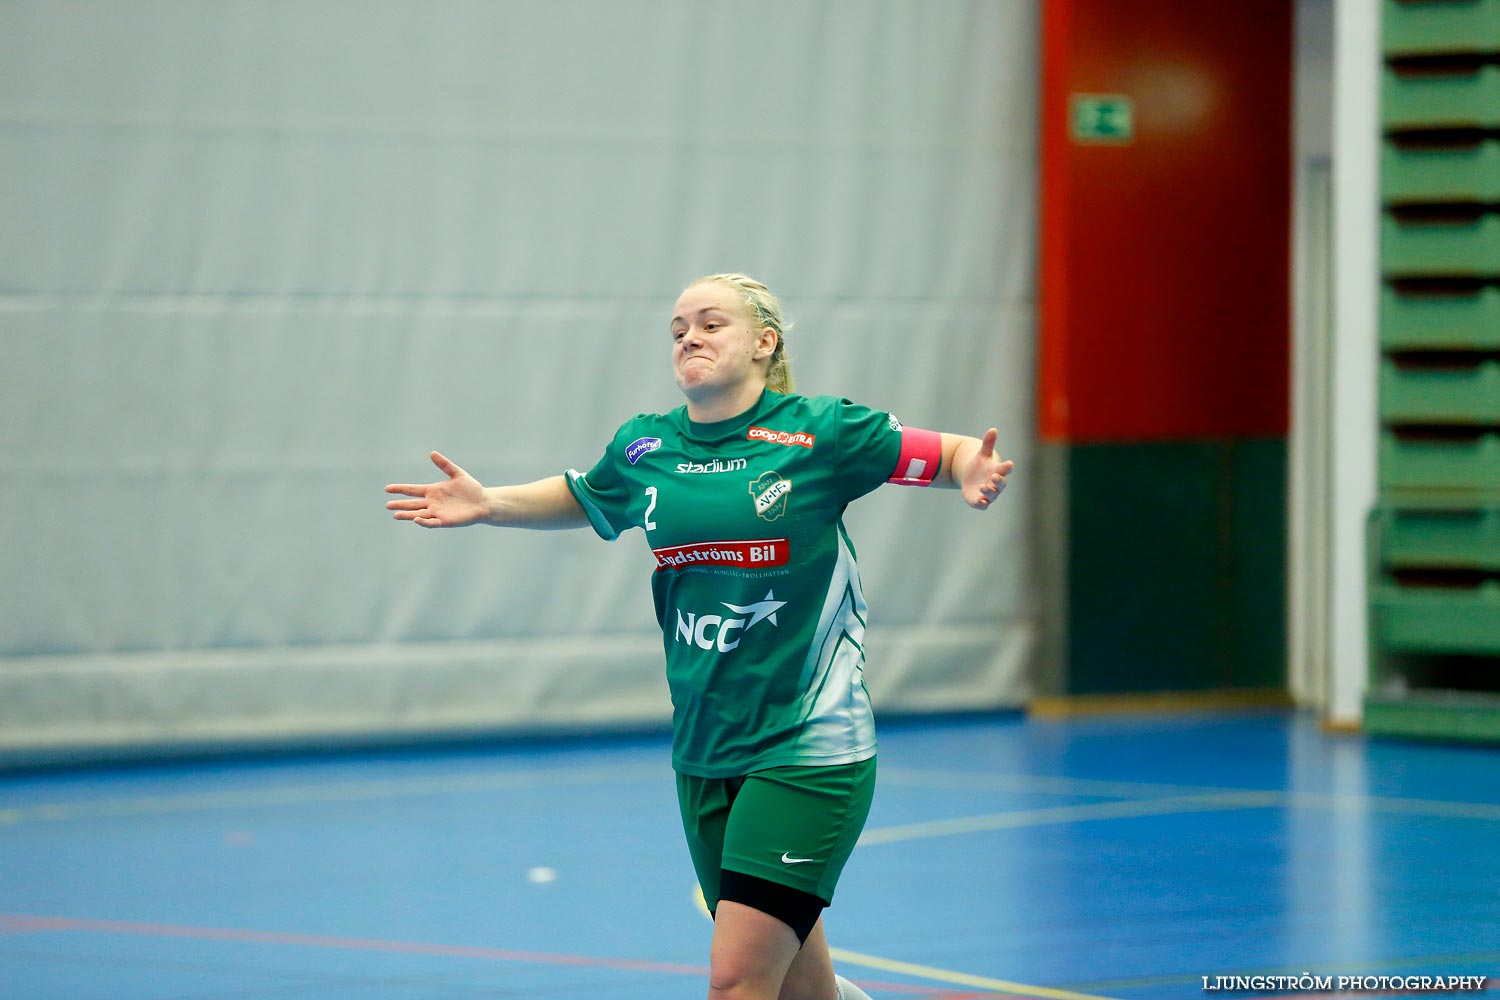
(641, 446)
(770, 491)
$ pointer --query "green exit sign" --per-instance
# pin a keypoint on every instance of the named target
(1101, 118)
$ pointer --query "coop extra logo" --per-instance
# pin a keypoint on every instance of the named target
(799, 438)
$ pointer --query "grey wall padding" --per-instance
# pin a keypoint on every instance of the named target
(261, 257)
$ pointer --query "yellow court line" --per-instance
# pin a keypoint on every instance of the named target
(957, 978)
(929, 971)
(332, 792)
(1206, 800)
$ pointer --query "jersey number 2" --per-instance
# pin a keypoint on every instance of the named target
(650, 492)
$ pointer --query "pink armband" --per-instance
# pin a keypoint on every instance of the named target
(921, 454)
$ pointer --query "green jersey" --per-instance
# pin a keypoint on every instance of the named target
(755, 582)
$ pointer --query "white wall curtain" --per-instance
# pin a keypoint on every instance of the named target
(261, 257)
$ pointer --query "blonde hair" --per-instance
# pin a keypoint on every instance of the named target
(765, 305)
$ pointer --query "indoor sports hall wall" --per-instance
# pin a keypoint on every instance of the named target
(1164, 333)
(261, 258)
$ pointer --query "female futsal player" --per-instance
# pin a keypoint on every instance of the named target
(740, 493)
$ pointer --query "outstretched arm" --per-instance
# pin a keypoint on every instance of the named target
(460, 500)
(970, 464)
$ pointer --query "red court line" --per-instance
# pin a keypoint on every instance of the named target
(37, 923)
(15, 923)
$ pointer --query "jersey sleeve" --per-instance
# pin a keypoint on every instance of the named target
(603, 494)
(869, 446)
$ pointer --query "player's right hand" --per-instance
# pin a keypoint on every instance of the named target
(450, 503)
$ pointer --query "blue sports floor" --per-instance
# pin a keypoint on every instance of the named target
(1122, 858)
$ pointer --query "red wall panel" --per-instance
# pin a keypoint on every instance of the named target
(1165, 268)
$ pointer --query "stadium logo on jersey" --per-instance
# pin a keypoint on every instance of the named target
(770, 491)
(751, 554)
(639, 447)
(713, 631)
(717, 465)
(801, 438)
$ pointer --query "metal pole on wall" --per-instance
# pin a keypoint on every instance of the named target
(1356, 277)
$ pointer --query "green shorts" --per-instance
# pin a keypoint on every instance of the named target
(795, 826)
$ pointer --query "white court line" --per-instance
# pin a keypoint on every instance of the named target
(1442, 808)
(971, 782)
(1067, 814)
(1189, 798)
(1037, 784)
(332, 792)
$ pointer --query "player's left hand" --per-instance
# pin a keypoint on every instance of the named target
(984, 476)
